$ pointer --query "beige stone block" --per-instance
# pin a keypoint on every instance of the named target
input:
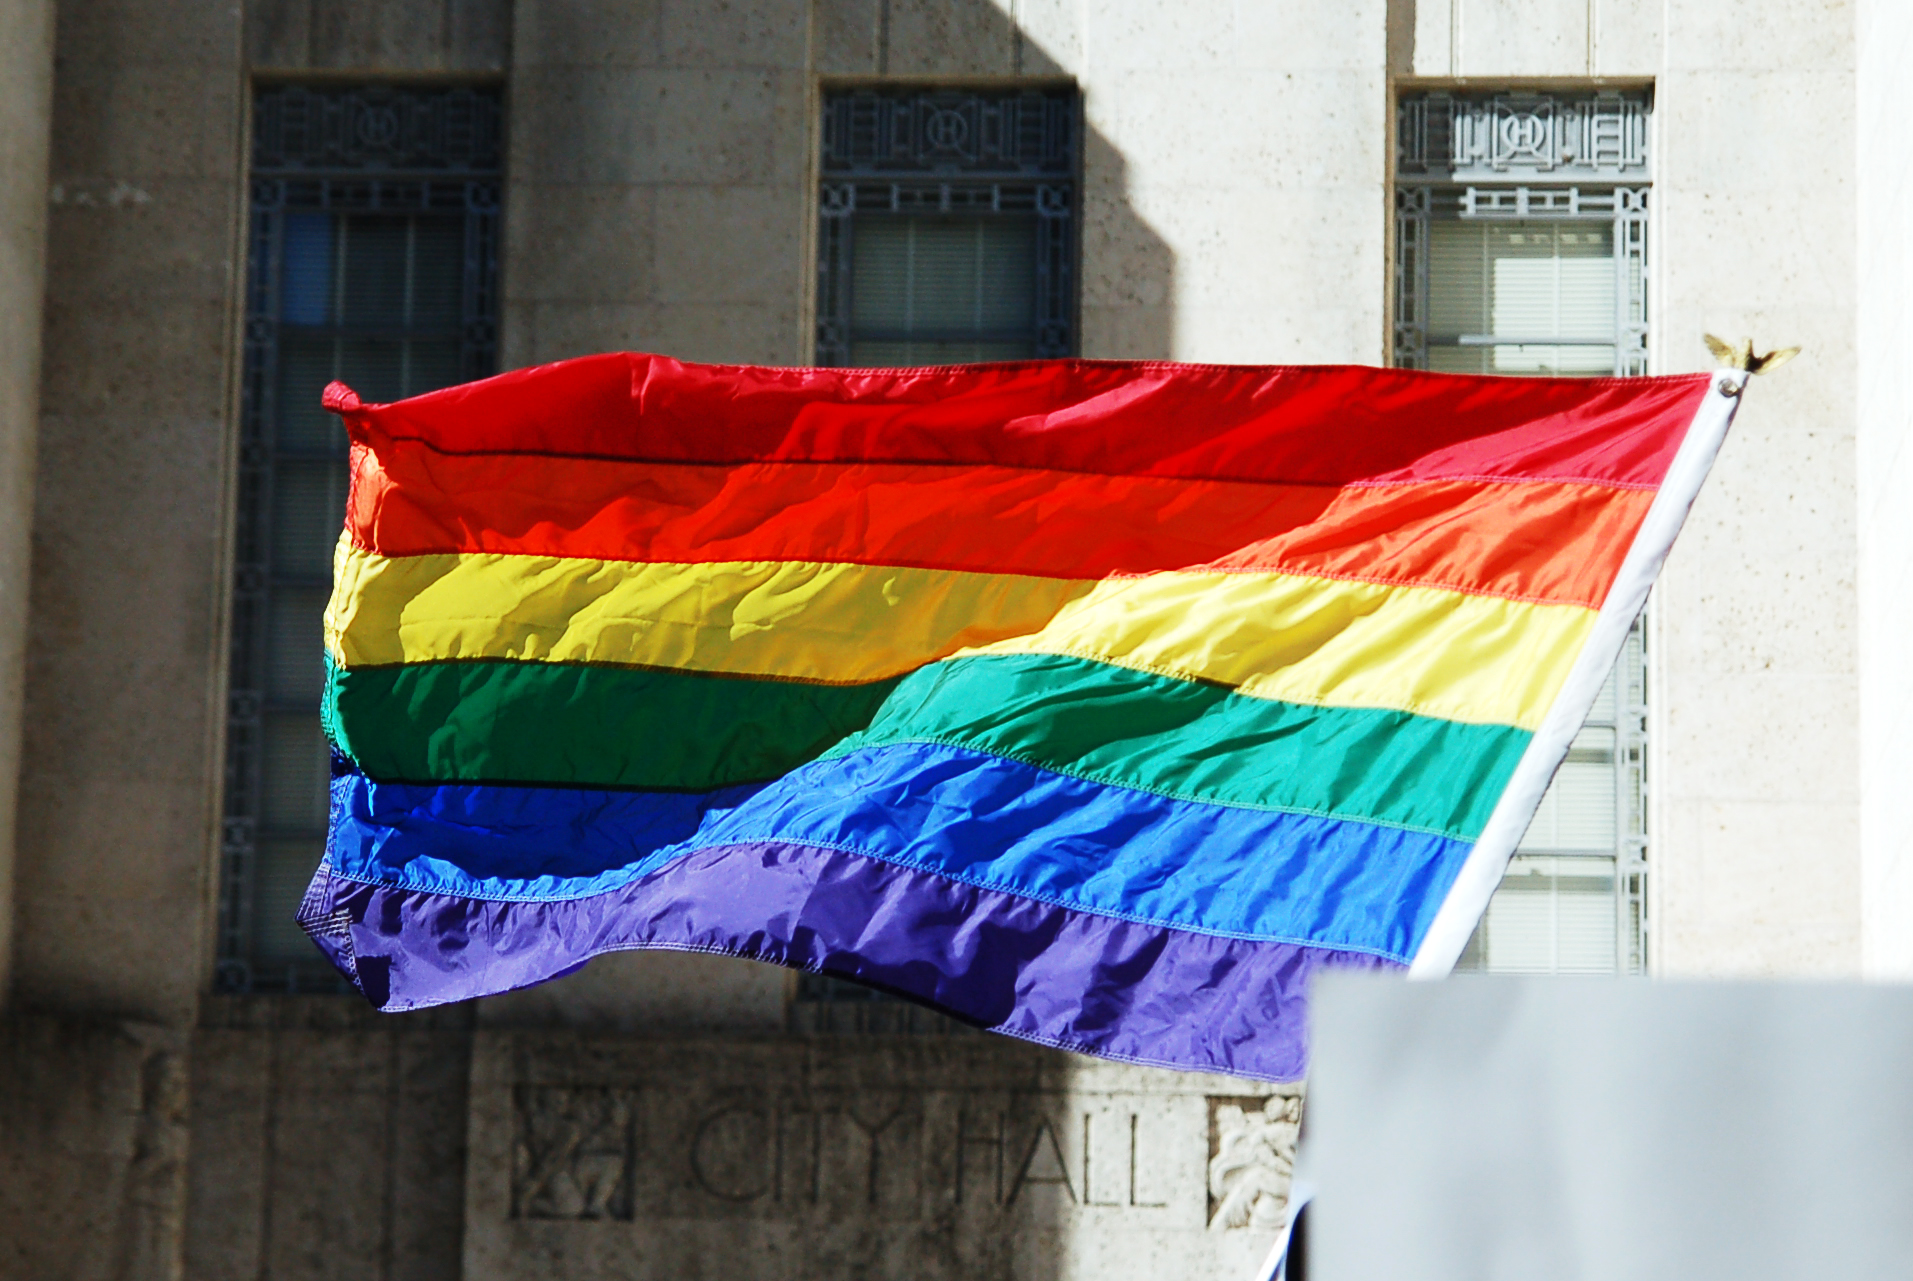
(1052, 36)
(1433, 23)
(96, 954)
(1778, 612)
(1305, 38)
(360, 1149)
(227, 1180)
(1786, 33)
(1126, 262)
(1780, 492)
(374, 36)
(636, 992)
(739, 127)
(1265, 336)
(1165, 37)
(1736, 735)
(585, 33)
(1244, 129)
(162, 238)
(732, 245)
(728, 35)
(583, 125)
(934, 38)
(1627, 37)
(1128, 332)
(93, 1148)
(734, 333)
(545, 332)
(517, 324)
(580, 243)
(1759, 889)
(845, 35)
(1524, 38)
(127, 33)
(1251, 282)
(115, 124)
(1801, 117)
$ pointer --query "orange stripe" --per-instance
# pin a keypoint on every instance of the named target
(1548, 541)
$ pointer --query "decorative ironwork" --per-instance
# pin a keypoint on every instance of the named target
(377, 129)
(1514, 137)
(1527, 157)
(350, 151)
(1027, 133)
(1000, 153)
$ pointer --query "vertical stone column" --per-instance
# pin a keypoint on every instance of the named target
(1884, 189)
(26, 108)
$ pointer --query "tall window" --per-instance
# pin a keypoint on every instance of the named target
(1521, 248)
(373, 259)
(947, 227)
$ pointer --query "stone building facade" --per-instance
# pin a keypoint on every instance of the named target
(1234, 192)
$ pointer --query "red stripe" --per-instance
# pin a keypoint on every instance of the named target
(1537, 541)
(1331, 425)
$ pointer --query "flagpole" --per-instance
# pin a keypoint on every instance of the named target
(1481, 874)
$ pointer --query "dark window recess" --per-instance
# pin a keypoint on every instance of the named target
(373, 225)
(947, 227)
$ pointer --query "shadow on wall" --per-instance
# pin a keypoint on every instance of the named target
(671, 209)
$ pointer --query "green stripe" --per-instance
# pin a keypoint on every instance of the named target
(596, 726)
(1201, 742)
(584, 725)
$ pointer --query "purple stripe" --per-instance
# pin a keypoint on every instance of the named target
(1095, 984)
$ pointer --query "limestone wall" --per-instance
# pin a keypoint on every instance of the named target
(930, 1156)
(26, 93)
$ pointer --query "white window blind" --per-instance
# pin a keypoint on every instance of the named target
(943, 290)
(1521, 297)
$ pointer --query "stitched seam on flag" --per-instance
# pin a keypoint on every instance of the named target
(956, 464)
(1371, 579)
(839, 753)
(1273, 567)
(677, 852)
(1136, 665)
(481, 660)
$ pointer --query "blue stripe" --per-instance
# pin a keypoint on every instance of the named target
(982, 820)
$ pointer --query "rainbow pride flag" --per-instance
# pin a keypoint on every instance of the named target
(1094, 703)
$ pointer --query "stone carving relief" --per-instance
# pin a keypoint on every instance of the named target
(573, 1155)
(1252, 1155)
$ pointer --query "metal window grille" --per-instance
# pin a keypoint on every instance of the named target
(1521, 241)
(947, 226)
(1549, 197)
(372, 256)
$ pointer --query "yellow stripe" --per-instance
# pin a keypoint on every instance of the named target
(1280, 636)
(1328, 642)
(801, 621)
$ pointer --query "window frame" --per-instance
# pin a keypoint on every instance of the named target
(334, 149)
(1535, 156)
(915, 150)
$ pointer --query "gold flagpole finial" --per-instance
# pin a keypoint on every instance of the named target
(1740, 355)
